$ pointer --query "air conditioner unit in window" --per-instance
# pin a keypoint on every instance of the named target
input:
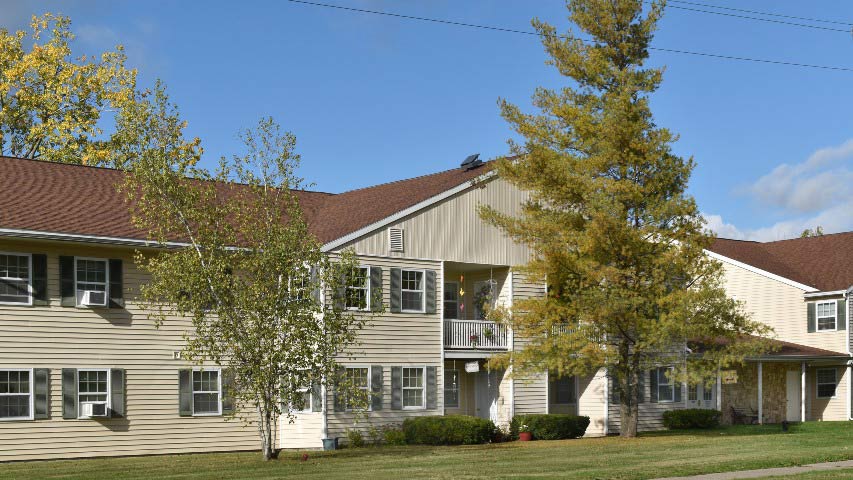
(93, 298)
(93, 409)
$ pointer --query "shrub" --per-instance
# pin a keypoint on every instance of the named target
(393, 435)
(550, 427)
(448, 430)
(355, 439)
(691, 418)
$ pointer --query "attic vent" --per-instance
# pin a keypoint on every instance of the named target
(395, 239)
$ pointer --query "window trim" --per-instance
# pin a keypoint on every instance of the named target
(422, 291)
(818, 384)
(444, 300)
(669, 382)
(106, 282)
(31, 395)
(367, 291)
(403, 388)
(834, 317)
(108, 402)
(368, 389)
(29, 256)
(218, 385)
(458, 385)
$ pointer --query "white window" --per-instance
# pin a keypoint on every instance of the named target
(413, 388)
(707, 393)
(826, 315)
(207, 392)
(16, 394)
(451, 301)
(451, 388)
(358, 289)
(93, 392)
(359, 379)
(827, 380)
(91, 280)
(666, 387)
(692, 393)
(307, 397)
(15, 278)
(562, 390)
(412, 292)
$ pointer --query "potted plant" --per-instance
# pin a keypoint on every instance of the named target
(488, 333)
(524, 433)
(474, 339)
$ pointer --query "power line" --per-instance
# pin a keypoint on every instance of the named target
(769, 20)
(755, 12)
(527, 32)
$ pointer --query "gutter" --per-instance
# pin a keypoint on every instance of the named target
(74, 237)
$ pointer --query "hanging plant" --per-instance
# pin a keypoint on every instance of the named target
(488, 333)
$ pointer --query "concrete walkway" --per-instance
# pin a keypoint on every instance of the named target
(767, 472)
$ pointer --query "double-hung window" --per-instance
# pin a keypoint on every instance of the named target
(359, 381)
(451, 388)
(827, 380)
(413, 388)
(451, 300)
(93, 392)
(358, 289)
(207, 392)
(15, 278)
(563, 390)
(826, 315)
(91, 280)
(666, 387)
(16, 394)
(305, 393)
(412, 291)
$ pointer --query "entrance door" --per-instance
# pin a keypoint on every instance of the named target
(486, 394)
(793, 391)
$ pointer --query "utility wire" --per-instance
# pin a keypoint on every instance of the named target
(537, 34)
(769, 20)
(755, 12)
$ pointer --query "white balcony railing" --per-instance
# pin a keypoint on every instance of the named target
(475, 335)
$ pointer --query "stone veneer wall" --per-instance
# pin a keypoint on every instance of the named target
(744, 393)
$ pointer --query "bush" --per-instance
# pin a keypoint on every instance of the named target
(448, 430)
(393, 435)
(691, 418)
(550, 427)
(355, 439)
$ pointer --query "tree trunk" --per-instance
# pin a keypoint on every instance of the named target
(265, 429)
(628, 415)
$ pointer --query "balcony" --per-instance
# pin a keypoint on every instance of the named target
(475, 335)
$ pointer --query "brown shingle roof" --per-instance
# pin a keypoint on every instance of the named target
(780, 348)
(824, 262)
(74, 199)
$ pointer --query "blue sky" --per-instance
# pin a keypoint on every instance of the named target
(373, 99)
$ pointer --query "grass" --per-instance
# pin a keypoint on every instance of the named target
(650, 456)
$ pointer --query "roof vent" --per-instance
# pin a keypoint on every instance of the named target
(471, 162)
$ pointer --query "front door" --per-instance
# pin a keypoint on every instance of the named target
(792, 414)
(486, 394)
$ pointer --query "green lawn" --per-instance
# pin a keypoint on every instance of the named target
(653, 455)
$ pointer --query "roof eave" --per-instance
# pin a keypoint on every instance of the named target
(764, 273)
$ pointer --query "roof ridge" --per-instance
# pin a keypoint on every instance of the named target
(808, 238)
(412, 178)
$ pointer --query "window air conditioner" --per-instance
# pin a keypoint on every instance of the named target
(94, 298)
(93, 409)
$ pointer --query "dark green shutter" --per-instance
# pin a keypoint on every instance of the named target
(227, 391)
(338, 399)
(116, 283)
(429, 291)
(614, 392)
(396, 388)
(69, 393)
(376, 289)
(316, 397)
(376, 379)
(396, 286)
(641, 387)
(842, 315)
(315, 282)
(185, 392)
(66, 282)
(341, 292)
(810, 317)
(39, 279)
(117, 393)
(41, 393)
(431, 392)
(677, 389)
(653, 384)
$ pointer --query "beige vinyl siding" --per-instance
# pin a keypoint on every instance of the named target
(57, 337)
(452, 229)
(650, 414)
(592, 395)
(826, 409)
(531, 390)
(305, 431)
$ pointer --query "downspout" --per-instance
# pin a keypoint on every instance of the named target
(511, 339)
(606, 403)
(441, 309)
(323, 392)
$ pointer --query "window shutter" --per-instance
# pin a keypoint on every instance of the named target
(376, 289)
(810, 317)
(316, 397)
(66, 283)
(842, 315)
(227, 391)
(677, 394)
(641, 387)
(396, 388)
(396, 286)
(39, 279)
(431, 393)
(376, 379)
(185, 392)
(614, 394)
(653, 383)
(116, 283)
(429, 291)
(41, 393)
(69, 393)
(117, 392)
(341, 292)
(315, 293)
(338, 398)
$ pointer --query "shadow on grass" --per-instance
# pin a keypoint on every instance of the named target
(733, 431)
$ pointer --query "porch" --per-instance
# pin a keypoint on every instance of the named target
(470, 388)
(470, 292)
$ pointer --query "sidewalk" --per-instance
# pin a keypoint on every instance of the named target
(767, 472)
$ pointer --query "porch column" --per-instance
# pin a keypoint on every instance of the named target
(803, 393)
(760, 394)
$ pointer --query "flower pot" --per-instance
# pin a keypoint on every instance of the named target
(525, 436)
